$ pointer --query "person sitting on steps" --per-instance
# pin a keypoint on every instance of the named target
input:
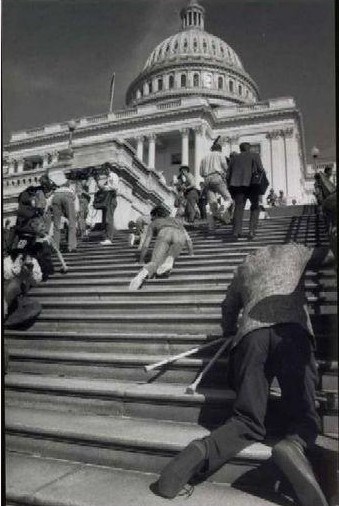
(274, 339)
(171, 240)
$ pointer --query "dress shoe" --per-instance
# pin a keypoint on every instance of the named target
(290, 457)
(181, 469)
(250, 237)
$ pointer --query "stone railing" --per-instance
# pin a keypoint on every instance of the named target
(169, 105)
(274, 104)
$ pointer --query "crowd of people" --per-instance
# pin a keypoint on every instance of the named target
(43, 211)
(273, 337)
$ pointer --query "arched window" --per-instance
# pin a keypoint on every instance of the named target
(176, 45)
(171, 81)
(167, 48)
(220, 83)
(231, 86)
(185, 44)
(195, 45)
(183, 80)
(160, 84)
(240, 89)
(196, 80)
(204, 46)
(150, 89)
(222, 51)
(213, 48)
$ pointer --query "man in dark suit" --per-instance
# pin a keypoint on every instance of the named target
(241, 169)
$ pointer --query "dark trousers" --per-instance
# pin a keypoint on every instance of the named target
(283, 351)
(240, 194)
(192, 198)
(108, 220)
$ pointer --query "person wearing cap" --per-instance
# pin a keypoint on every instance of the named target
(63, 204)
(171, 240)
(111, 186)
(241, 169)
(188, 185)
(213, 169)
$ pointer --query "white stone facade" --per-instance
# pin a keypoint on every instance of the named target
(163, 128)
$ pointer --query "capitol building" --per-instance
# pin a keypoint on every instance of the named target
(193, 88)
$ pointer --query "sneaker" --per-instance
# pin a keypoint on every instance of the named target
(136, 282)
(167, 266)
(131, 239)
(106, 242)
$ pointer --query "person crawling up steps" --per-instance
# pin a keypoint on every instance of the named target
(171, 240)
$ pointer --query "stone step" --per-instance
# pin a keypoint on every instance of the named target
(186, 277)
(149, 343)
(180, 323)
(140, 395)
(42, 481)
(123, 442)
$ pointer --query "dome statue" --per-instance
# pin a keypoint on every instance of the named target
(193, 62)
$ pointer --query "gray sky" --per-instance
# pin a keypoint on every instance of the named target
(59, 55)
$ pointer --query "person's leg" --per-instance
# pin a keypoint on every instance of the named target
(297, 375)
(191, 201)
(239, 202)
(158, 256)
(254, 216)
(251, 375)
(224, 192)
(252, 378)
(69, 209)
(110, 222)
(177, 244)
(57, 213)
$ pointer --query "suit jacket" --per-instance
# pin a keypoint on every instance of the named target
(269, 289)
(241, 168)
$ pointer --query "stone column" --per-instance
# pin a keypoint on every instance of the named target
(270, 136)
(185, 146)
(11, 166)
(151, 151)
(198, 151)
(278, 161)
(293, 171)
(140, 148)
(20, 168)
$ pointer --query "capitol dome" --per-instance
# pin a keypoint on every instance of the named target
(193, 62)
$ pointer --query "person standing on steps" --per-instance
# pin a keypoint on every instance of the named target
(213, 169)
(274, 338)
(188, 186)
(111, 188)
(240, 173)
(63, 204)
(171, 240)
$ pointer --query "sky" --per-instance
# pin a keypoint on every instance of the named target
(58, 56)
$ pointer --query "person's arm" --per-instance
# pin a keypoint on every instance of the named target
(189, 243)
(190, 184)
(231, 307)
(146, 242)
(258, 162)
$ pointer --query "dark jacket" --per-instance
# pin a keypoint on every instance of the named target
(241, 168)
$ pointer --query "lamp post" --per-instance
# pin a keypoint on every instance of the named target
(315, 153)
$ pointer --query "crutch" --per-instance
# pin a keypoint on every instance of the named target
(192, 388)
(187, 353)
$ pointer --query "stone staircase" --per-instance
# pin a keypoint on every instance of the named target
(80, 409)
